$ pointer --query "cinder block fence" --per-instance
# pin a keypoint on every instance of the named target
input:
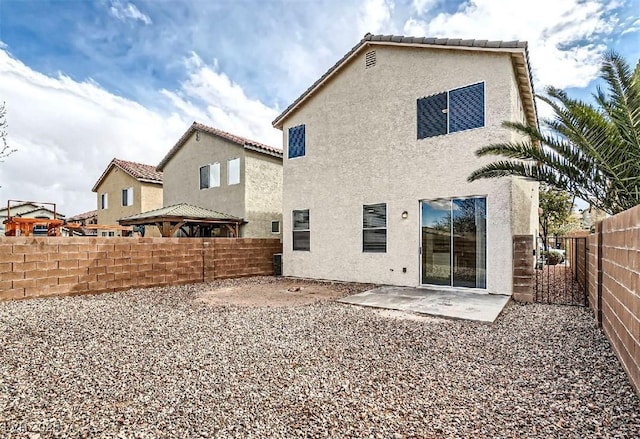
(613, 281)
(614, 285)
(42, 266)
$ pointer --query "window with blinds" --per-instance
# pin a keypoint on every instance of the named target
(301, 230)
(374, 228)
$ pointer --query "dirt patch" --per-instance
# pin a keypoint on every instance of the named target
(277, 292)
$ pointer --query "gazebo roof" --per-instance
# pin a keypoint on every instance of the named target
(170, 219)
(182, 211)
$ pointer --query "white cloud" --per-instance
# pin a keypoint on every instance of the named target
(66, 132)
(375, 17)
(566, 37)
(125, 11)
(223, 103)
(632, 27)
(421, 6)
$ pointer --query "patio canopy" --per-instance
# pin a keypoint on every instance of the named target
(191, 220)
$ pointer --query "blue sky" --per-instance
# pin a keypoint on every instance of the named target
(86, 81)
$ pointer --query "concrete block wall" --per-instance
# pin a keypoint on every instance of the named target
(619, 288)
(243, 257)
(523, 266)
(43, 266)
(592, 269)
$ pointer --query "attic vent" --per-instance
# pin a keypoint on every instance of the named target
(370, 59)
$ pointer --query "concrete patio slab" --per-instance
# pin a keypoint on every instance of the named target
(445, 303)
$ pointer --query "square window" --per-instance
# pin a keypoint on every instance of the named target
(233, 171)
(275, 226)
(210, 176)
(432, 116)
(374, 228)
(466, 108)
(301, 230)
(297, 144)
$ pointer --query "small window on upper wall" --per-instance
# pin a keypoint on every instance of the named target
(275, 226)
(297, 141)
(127, 196)
(455, 110)
(233, 171)
(104, 201)
(374, 228)
(210, 176)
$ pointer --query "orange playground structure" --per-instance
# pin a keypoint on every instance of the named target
(18, 226)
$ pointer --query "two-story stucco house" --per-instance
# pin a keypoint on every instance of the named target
(377, 155)
(222, 172)
(124, 189)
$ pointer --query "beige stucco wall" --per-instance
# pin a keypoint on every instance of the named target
(257, 198)
(524, 193)
(151, 196)
(263, 195)
(361, 148)
(112, 184)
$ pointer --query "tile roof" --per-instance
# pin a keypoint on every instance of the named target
(399, 39)
(183, 210)
(139, 171)
(242, 141)
(82, 216)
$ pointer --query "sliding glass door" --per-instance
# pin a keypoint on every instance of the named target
(454, 242)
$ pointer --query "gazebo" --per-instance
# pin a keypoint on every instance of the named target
(191, 220)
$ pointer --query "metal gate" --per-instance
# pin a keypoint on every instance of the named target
(561, 271)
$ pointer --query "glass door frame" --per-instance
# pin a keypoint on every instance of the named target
(421, 248)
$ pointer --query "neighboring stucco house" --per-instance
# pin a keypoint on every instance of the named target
(28, 209)
(222, 172)
(377, 155)
(124, 189)
(86, 219)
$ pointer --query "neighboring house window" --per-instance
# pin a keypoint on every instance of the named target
(275, 226)
(104, 201)
(301, 234)
(374, 228)
(233, 171)
(296, 141)
(210, 176)
(127, 196)
(451, 111)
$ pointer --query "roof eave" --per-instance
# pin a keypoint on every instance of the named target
(146, 180)
(275, 154)
(103, 176)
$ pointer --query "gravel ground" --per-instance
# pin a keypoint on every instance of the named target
(159, 363)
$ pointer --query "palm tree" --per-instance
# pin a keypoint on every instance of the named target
(592, 152)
